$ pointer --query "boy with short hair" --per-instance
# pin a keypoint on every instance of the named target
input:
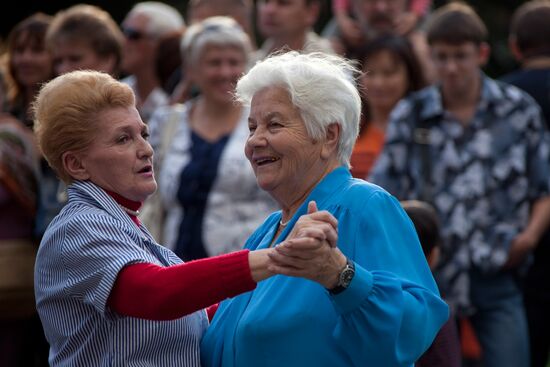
(476, 149)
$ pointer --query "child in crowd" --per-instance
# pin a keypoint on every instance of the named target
(445, 349)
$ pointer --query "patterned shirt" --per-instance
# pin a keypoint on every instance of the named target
(79, 258)
(483, 176)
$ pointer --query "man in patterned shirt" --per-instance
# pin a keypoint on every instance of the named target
(478, 150)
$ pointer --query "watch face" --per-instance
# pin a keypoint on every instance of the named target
(346, 276)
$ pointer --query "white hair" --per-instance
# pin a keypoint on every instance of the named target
(321, 86)
(163, 18)
(214, 31)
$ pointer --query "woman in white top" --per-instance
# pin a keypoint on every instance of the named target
(207, 187)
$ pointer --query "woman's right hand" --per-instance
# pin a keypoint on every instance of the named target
(308, 258)
(310, 251)
(312, 232)
(320, 225)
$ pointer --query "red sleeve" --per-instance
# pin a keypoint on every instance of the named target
(211, 311)
(420, 7)
(154, 292)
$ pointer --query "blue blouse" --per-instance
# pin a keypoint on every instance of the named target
(387, 317)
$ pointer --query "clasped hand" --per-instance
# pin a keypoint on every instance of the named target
(310, 250)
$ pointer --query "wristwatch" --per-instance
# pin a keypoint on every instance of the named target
(345, 278)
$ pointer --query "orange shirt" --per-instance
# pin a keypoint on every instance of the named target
(366, 150)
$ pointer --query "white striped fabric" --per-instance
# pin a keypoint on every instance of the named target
(81, 253)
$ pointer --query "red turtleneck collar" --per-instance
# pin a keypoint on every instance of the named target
(127, 203)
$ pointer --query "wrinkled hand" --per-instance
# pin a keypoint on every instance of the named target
(312, 252)
(320, 225)
(522, 245)
(308, 258)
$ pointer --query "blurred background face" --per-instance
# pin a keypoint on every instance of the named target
(73, 54)
(385, 81)
(30, 62)
(139, 49)
(241, 13)
(458, 66)
(379, 15)
(285, 18)
(217, 71)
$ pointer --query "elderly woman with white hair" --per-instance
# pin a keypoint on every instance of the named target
(207, 187)
(382, 307)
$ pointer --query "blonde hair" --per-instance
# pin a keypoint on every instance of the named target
(66, 111)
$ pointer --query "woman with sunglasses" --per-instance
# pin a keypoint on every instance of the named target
(143, 28)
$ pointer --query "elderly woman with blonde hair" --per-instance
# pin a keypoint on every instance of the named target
(379, 305)
(102, 282)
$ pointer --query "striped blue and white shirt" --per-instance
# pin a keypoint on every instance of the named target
(79, 258)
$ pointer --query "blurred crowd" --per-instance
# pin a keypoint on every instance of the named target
(435, 128)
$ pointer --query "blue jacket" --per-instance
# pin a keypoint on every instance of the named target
(387, 317)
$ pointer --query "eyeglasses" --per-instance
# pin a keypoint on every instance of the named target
(133, 34)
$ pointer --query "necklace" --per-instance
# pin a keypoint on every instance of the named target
(284, 224)
(134, 213)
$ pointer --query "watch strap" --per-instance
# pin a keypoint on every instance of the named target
(344, 278)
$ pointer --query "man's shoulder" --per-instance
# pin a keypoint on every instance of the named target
(505, 93)
(513, 77)
(525, 75)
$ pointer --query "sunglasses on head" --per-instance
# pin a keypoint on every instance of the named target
(132, 34)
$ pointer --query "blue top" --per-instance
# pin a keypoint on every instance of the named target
(196, 181)
(79, 258)
(387, 317)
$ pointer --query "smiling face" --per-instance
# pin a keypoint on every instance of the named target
(120, 159)
(217, 71)
(30, 61)
(286, 161)
(385, 80)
